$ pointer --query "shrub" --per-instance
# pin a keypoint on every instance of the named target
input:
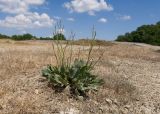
(70, 71)
(59, 36)
(78, 77)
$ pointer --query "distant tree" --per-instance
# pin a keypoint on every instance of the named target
(16, 37)
(27, 36)
(2, 36)
(158, 23)
(45, 38)
(149, 34)
(23, 37)
(34, 38)
(59, 36)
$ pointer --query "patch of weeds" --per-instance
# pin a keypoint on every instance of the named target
(124, 91)
(78, 77)
(70, 71)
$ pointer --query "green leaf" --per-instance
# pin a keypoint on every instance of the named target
(78, 77)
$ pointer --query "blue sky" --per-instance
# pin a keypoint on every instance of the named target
(110, 17)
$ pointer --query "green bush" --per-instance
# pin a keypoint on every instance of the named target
(78, 77)
(22, 37)
(149, 34)
(59, 36)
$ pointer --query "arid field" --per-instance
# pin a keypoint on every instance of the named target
(131, 73)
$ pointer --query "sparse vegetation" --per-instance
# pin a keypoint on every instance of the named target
(125, 68)
(72, 71)
(20, 63)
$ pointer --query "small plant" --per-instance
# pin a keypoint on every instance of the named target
(71, 71)
(78, 77)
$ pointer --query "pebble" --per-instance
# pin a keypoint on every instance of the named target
(109, 101)
(1, 108)
(36, 91)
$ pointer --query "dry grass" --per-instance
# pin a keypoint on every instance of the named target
(17, 59)
(24, 91)
(84, 42)
(158, 51)
(132, 51)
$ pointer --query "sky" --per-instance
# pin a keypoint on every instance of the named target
(109, 17)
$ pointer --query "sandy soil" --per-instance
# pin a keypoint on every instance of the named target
(131, 72)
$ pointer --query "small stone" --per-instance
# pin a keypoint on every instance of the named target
(103, 108)
(36, 91)
(81, 98)
(109, 101)
(1, 108)
(127, 106)
(45, 112)
(116, 102)
(67, 90)
(124, 111)
(70, 111)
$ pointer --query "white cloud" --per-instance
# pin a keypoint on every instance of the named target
(71, 19)
(91, 13)
(18, 6)
(125, 17)
(102, 20)
(34, 2)
(23, 32)
(89, 6)
(22, 17)
(57, 18)
(30, 20)
(122, 17)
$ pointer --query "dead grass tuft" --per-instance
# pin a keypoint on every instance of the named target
(85, 42)
(124, 90)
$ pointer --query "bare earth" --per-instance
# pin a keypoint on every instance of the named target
(131, 72)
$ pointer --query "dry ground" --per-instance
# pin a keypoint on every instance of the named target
(131, 72)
